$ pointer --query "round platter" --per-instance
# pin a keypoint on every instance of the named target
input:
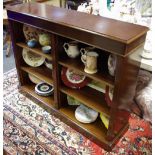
(32, 59)
(73, 79)
(44, 89)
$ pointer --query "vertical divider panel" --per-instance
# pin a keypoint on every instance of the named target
(59, 98)
(125, 85)
(16, 30)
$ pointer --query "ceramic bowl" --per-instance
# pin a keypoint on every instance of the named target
(46, 49)
(32, 43)
(48, 64)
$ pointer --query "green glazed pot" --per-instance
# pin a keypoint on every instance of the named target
(44, 39)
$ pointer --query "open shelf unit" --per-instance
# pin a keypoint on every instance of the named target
(63, 27)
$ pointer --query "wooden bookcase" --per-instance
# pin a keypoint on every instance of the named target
(108, 36)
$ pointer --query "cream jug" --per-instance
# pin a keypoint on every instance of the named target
(71, 49)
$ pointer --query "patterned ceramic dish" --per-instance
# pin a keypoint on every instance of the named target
(73, 79)
(32, 59)
(44, 89)
(30, 32)
(85, 114)
(34, 79)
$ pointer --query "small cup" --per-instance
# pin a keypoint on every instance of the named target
(32, 43)
(46, 49)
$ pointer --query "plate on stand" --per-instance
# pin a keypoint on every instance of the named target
(73, 79)
(32, 59)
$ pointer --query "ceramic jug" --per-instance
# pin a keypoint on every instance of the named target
(71, 49)
(84, 52)
(90, 62)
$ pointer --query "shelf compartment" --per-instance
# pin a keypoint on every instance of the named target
(97, 128)
(77, 65)
(35, 50)
(42, 73)
(89, 97)
(30, 89)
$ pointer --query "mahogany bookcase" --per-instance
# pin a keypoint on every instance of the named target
(107, 36)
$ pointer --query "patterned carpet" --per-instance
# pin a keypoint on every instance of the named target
(30, 130)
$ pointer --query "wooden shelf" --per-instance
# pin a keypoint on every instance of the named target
(90, 97)
(42, 73)
(35, 50)
(79, 67)
(30, 89)
(96, 128)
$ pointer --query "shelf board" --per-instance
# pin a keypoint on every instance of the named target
(42, 73)
(97, 128)
(79, 67)
(30, 89)
(90, 97)
(35, 50)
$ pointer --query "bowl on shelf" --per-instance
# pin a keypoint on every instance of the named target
(46, 49)
(32, 43)
(48, 64)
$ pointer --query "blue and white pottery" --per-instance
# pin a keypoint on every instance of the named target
(32, 43)
(46, 49)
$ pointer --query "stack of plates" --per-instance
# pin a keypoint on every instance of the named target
(85, 115)
(44, 89)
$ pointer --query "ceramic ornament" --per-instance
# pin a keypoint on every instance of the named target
(44, 89)
(85, 114)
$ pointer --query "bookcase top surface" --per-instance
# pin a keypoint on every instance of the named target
(109, 28)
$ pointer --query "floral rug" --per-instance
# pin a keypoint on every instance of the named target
(28, 129)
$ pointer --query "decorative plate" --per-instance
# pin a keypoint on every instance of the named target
(72, 101)
(73, 79)
(34, 79)
(31, 32)
(85, 114)
(32, 59)
(44, 89)
(112, 64)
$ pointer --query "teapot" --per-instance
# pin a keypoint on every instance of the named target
(71, 49)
